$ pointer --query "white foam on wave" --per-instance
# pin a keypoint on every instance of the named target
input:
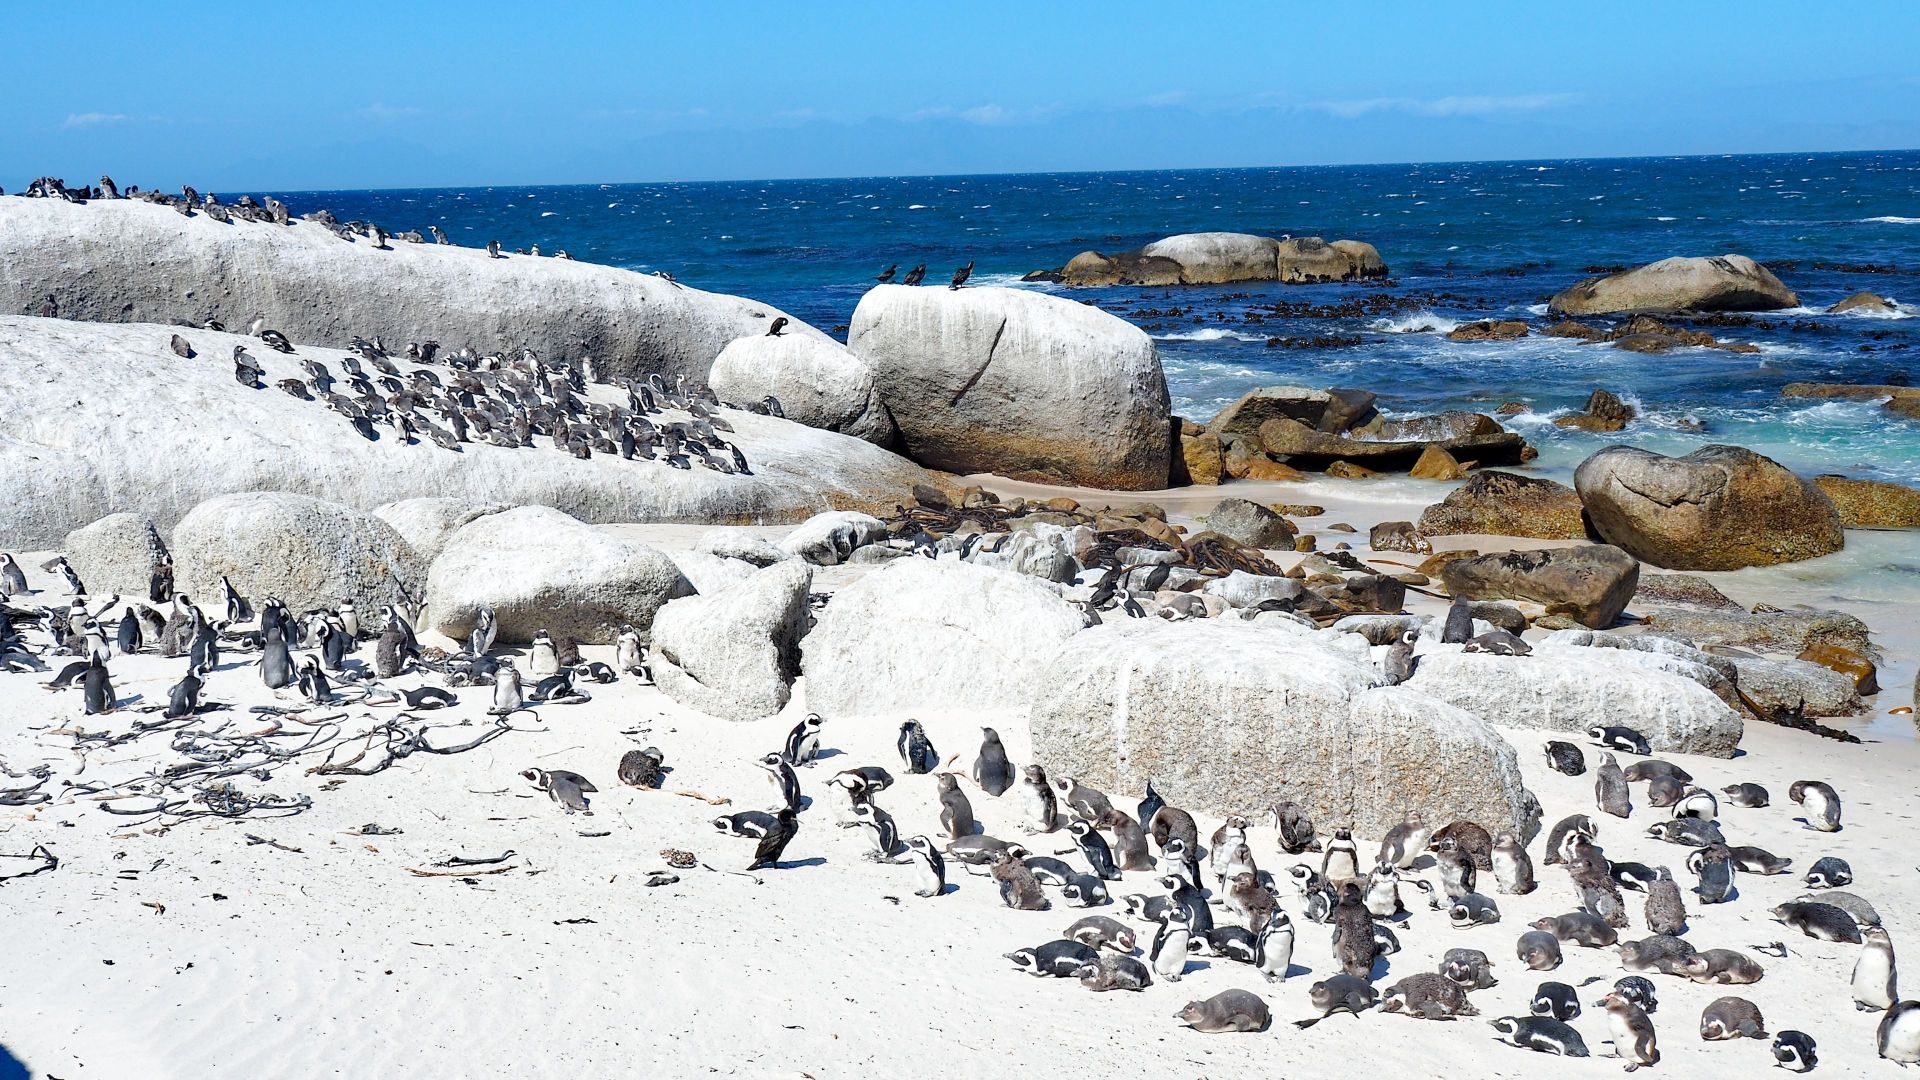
(1418, 322)
(1890, 219)
(919, 206)
(548, 213)
(1211, 333)
(1537, 310)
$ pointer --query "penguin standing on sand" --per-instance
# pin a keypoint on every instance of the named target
(508, 695)
(1821, 803)
(991, 770)
(931, 880)
(803, 742)
(916, 750)
(766, 855)
(783, 778)
(276, 663)
(1094, 847)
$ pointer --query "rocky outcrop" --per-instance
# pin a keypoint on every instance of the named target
(819, 382)
(1395, 443)
(1227, 715)
(1251, 524)
(1718, 508)
(1772, 631)
(1398, 536)
(1720, 283)
(1867, 302)
(1202, 461)
(308, 552)
(1013, 382)
(425, 523)
(1489, 330)
(1591, 583)
(1567, 688)
(734, 654)
(117, 554)
(1216, 258)
(1507, 504)
(1872, 504)
(1604, 412)
(828, 539)
(1848, 391)
(104, 418)
(1434, 463)
(1796, 686)
(930, 636)
(1322, 410)
(133, 261)
(542, 570)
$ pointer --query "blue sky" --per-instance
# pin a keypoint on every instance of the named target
(276, 96)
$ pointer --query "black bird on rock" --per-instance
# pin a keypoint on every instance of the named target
(914, 275)
(961, 275)
(887, 275)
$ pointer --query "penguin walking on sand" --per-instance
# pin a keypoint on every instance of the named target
(1633, 1038)
(783, 778)
(991, 770)
(1168, 953)
(931, 879)
(1094, 847)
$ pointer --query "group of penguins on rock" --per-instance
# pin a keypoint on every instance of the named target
(502, 400)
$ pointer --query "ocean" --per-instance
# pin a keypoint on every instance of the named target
(1464, 241)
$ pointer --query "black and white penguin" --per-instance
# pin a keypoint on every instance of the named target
(1168, 953)
(97, 688)
(880, 830)
(13, 580)
(183, 699)
(1794, 1051)
(1039, 813)
(786, 823)
(991, 770)
(313, 682)
(1714, 866)
(641, 768)
(1094, 847)
(1497, 643)
(1273, 949)
(916, 750)
(1542, 1034)
(508, 694)
(1633, 1037)
(1822, 922)
(74, 585)
(931, 880)
(1619, 737)
(1829, 872)
(1555, 1000)
(1398, 662)
(567, 788)
(956, 811)
(1751, 796)
(1821, 803)
(803, 742)
(1458, 629)
(752, 824)
(1875, 977)
(1512, 866)
(1341, 861)
(784, 780)
(543, 659)
(486, 627)
(129, 635)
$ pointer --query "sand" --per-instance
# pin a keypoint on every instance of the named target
(334, 961)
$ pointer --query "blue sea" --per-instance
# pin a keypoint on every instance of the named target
(1464, 241)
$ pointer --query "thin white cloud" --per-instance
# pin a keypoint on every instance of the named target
(987, 115)
(1459, 105)
(90, 119)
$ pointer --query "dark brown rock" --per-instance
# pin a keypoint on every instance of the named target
(1489, 330)
(1507, 504)
(1590, 583)
(1872, 504)
(1718, 508)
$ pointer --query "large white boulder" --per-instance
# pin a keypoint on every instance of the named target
(542, 570)
(425, 523)
(1717, 283)
(306, 551)
(103, 418)
(1233, 716)
(923, 635)
(1018, 383)
(131, 261)
(819, 382)
(734, 654)
(1567, 688)
(117, 554)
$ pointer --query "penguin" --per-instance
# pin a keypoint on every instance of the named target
(1086, 803)
(880, 830)
(98, 689)
(1084, 890)
(1294, 827)
(1354, 946)
(1150, 804)
(1713, 865)
(1822, 922)
(1542, 1034)
(13, 580)
(915, 750)
(1038, 811)
(428, 698)
(1821, 803)
(1793, 1050)
(1875, 977)
(1512, 866)
(931, 879)
(1751, 796)
(956, 813)
(1633, 1039)
(1498, 643)
(1094, 847)
(1829, 872)
(1637, 989)
(1556, 1000)
(389, 654)
(128, 635)
(205, 650)
(349, 618)
(486, 627)
(183, 699)
(991, 769)
(784, 779)
(753, 824)
(569, 789)
(640, 768)
(276, 663)
(629, 655)
(1732, 1018)
(1610, 788)
(803, 742)
(1168, 953)
(1666, 909)
(1185, 894)
(1618, 737)
(66, 572)
(1458, 876)
(542, 658)
(1273, 949)
(1458, 629)
(766, 854)
(313, 682)
(1129, 841)
(1405, 841)
(238, 610)
(508, 695)
(1341, 860)
(1539, 950)
(1697, 803)
(1383, 892)
(1018, 888)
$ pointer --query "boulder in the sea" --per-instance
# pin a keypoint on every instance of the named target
(1251, 524)
(1866, 301)
(116, 554)
(828, 539)
(426, 522)
(1332, 410)
(1489, 330)
(1718, 283)
(734, 654)
(1592, 583)
(1718, 508)
(1215, 258)
(1578, 331)
(1394, 443)
(306, 551)
(930, 636)
(1507, 504)
(1872, 504)
(1604, 412)
(818, 381)
(1226, 714)
(1018, 383)
(542, 570)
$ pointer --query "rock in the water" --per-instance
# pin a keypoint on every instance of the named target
(1018, 383)
(542, 570)
(1567, 328)
(1569, 689)
(1604, 412)
(425, 523)
(820, 383)
(1251, 524)
(1394, 443)
(103, 417)
(1230, 714)
(931, 636)
(1398, 536)
(1591, 583)
(734, 654)
(1718, 508)
(1778, 686)
(1215, 258)
(306, 551)
(116, 554)
(1489, 330)
(1872, 504)
(1507, 504)
(134, 261)
(1436, 464)
(1721, 283)
(1323, 410)
(1872, 303)
(827, 539)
